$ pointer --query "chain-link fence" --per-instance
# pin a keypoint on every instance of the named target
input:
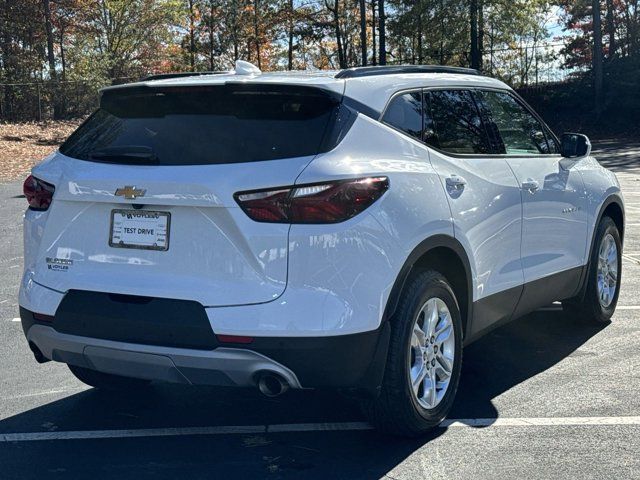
(47, 100)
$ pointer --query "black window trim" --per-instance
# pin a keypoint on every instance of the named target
(472, 89)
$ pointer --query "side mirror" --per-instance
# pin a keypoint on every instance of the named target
(575, 145)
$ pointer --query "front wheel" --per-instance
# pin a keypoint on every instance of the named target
(603, 281)
(424, 361)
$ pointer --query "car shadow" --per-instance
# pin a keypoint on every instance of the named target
(619, 155)
(493, 365)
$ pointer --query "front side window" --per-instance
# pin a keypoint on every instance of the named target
(405, 113)
(453, 123)
(516, 130)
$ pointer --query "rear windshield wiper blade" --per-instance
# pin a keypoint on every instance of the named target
(126, 153)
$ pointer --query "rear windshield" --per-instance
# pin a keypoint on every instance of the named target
(205, 125)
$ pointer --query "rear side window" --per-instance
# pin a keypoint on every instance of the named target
(452, 122)
(405, 113)
(517, 131)
(205, 125)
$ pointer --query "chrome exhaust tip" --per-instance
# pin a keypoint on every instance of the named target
(272, 384)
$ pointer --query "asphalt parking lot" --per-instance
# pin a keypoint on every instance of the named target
(542, 397)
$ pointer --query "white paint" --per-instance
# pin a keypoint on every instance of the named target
(47, 392)
(542, 422)
(313, 427)
(555, 308)
(17, 319)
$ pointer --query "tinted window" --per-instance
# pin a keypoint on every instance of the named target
(452, 122)
(405, 113)
(204, 125)
(517, 131)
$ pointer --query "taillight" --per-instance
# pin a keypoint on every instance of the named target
(38, 193)
(329, 202)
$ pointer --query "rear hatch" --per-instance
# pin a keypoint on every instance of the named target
(144, 201)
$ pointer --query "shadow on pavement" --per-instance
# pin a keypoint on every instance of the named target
(493, 365)
(618, 155)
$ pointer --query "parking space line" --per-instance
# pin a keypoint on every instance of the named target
(542, 422)
(312, 427)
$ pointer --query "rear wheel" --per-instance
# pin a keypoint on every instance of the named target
(424, 360)
(106, 381)
(603, 281)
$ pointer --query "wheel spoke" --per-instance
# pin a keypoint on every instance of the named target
(432, 318)
(418, 335)
(443, 334)
(430, 391)
(420, 374)
(445, 364)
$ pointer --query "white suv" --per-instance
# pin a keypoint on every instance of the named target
(349, 229)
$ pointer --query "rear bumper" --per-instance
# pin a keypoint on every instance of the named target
(348, 361)
(222, 366)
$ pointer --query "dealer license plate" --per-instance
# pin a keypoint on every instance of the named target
(140, 229)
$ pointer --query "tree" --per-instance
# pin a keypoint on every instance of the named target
(597, 55)
(475, 51)
(363, 31)
(382, 33)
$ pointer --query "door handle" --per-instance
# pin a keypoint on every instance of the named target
(456, 182)
(530, 185)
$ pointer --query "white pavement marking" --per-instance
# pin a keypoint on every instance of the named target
(542, 422)
(628, 307)
(47, 392)
(17, 319)
(311, 427)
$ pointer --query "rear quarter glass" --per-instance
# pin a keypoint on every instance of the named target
(209, 125)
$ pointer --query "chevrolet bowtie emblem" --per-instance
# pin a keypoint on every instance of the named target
(130, 192)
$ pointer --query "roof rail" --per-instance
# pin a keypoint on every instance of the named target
(164, 76)
(357, 72)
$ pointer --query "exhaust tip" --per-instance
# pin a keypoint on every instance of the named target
(272, 384)
(38, 355)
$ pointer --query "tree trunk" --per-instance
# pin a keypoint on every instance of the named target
(363, 32)
(597, 56)
(374, 56)
(419, 18)
(611, 29)
(336, 26)
(256, 31)
(211, 36)
(383, 35)
(51, 59)
(480, 33)
(63, 61)
(473, 15)
(192, 40)
(290, 47)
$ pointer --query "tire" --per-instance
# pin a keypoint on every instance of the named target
(106, 381)
(397, 410)
(591, 309)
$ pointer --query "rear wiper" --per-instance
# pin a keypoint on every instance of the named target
(130, 153)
